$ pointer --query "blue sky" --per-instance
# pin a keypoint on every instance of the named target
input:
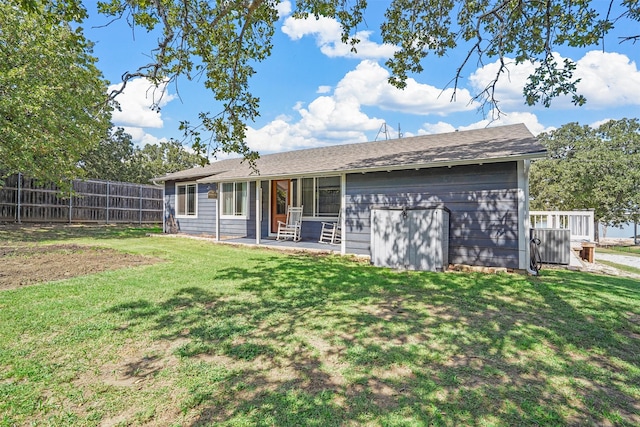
(315, 92)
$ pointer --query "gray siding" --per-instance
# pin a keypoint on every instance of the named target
(205, 220)
(482, 200)
(246, 227)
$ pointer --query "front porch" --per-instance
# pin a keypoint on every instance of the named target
(271, 242)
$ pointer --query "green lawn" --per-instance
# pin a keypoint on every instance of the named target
(621, 250)
(220, 335)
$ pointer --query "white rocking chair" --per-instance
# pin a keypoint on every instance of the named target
(291, 228)
(331, 232)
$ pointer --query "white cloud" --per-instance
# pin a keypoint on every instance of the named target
(512, 118)
(435, 128)
(338, 117)
(599, 123)
(323, 122)
(141, 138)
(608, 79)
(323, 89)
(369, 84)
(328, 36)
(284, 9)
(508, 90)
(136, 101)
(529, 119)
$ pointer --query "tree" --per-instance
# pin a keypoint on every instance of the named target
(53, 101)
(116, 159)
(155, 160)
(220, 40)
(111, 159)
(590, 168)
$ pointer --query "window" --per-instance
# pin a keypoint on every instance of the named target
(186, 199)
(234, 199)
(321, 196)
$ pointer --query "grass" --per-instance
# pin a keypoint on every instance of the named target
(57, 233)
(626, 250)
(220, 335)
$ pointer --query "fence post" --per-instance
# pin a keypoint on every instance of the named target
(107, 213)
(19, 197)
(70, 202)
(140, 205)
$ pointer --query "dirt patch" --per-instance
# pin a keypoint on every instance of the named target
(24, 264)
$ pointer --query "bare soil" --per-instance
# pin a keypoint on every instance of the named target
(28, 264)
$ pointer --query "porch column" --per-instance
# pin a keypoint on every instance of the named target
(343, 206)
(218, 211)
(523, 214)
(258, 212)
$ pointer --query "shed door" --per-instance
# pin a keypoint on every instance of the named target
(425, 251)
(389, 238)
(412, 239)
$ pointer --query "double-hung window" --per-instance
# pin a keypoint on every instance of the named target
(321, 196)
(186, 199)
(234, 199)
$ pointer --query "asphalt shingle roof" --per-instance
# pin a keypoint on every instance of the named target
(503, 142)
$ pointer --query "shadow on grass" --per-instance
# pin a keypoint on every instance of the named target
(308, 340)
(56, 232)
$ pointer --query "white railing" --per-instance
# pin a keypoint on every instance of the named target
(580, 223)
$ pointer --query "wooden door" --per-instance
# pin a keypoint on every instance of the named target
(280, 199)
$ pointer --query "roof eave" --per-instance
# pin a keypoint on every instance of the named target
(193, 177)
(428, 165)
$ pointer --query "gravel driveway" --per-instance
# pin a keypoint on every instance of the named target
(629, 260)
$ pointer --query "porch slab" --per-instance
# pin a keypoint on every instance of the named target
(269, 242)
(304, 245)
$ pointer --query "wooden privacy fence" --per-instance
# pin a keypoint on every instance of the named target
(91, 201)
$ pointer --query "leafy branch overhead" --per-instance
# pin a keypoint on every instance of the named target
(488, 30)
(221, 41)
(215, 40)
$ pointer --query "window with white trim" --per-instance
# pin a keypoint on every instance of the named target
(321, 196)
(234, 198)
(186, 199)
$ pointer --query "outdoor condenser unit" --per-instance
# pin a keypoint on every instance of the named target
(555, 244)
(410, 238)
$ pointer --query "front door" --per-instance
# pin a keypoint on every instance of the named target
(279, 201)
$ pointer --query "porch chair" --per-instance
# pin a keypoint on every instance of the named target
(291, 228)
(331, 232)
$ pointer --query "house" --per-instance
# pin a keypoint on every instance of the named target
(480, 176)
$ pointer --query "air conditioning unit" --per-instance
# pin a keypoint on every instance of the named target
(555, 244)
